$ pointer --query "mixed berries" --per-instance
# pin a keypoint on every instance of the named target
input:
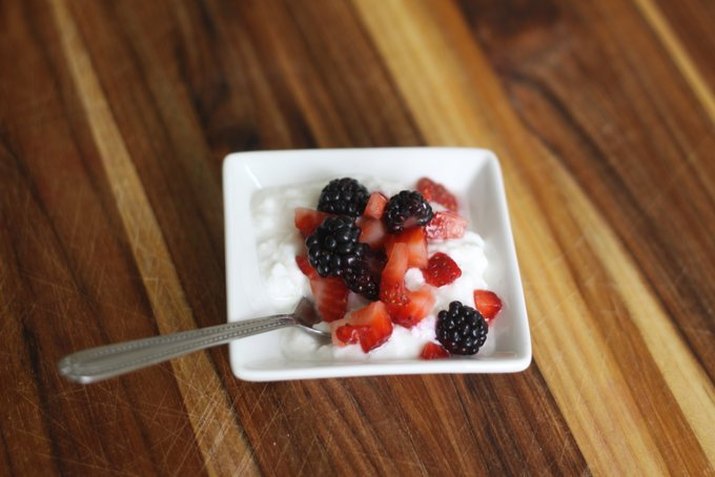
(365, 243)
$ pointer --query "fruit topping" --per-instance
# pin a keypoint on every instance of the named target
(331, 297)
(334, 246)
(375, 205)
(441, 270)
(372, 232)
(307, 220)
(360, 279)
(461, 329)
(446, 225)
(392, 283)
(418, 306)
(435, 192)
(487, 303)
(305, 267)
(369, 325)
(405, 210)
(433, 351)
(416, 243)
(344, 196)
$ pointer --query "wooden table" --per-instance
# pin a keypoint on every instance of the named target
(115, 117)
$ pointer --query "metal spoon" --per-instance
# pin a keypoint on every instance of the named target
(104, 362)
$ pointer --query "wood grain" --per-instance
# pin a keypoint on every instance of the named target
(114, 119)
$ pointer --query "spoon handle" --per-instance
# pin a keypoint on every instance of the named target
(96, 364)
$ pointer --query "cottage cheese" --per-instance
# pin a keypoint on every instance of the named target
(278, 243)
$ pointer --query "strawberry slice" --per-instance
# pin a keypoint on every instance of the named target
(375, 205)
(331, 297)
(392, 283)
(435, 192)
(419, 305)
(433, 351)
(372, 232)
(487, 303)
(446, 225)
(369, 325)
(305, 267)
(307, 220)
(441, 270)
(416, 242)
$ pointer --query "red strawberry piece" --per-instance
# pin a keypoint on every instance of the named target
(305, 267)
(371, 324)
(416, 242)
(372, 232)
(307, 220)
(441, 270)
(419, 305)
(375, 205)
(435, 192)
(347, 334)
(434, 351)
(487, 303)
(446, 225)
(331, 297)
(392, 283)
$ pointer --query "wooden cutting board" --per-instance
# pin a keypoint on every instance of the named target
(115, 117)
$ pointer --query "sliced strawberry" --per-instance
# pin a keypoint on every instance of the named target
(372, 232)
(305, 267)
(434, 351)
(347, 334)
(331, 297)
(392, 283)
(416, 242)
(371, 324)
(446, 225)
(435, 192)
(375, 205)
(307, 220)
(487, 303)
(419, 305)
(441, 270)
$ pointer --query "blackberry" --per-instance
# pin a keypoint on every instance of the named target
(461, 329)
(333, 247)
(359, 279)
(344, 196)
(405, 210)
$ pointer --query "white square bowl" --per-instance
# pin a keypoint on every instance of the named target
(473, 175)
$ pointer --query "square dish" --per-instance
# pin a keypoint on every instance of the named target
(473, 175)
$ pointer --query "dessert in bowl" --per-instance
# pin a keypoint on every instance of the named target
(407, 254)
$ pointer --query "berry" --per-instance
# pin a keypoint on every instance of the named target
(369, 325)
(344, 196)
(461, 329)
(307, 220)
(487, 303)
(435, 192)
(418, 306)
(334, 246)
(372, 232)
(441, 270)
(305, 267)
(392, 283)
(360, 280)
(446, 225)
(375, 206)
(433, 351)
(416, 243)
(331, 297)
(406, 210)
